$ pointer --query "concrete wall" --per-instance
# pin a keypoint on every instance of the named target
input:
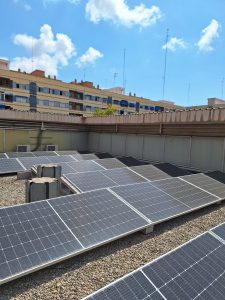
(66, 140)
(201, 153)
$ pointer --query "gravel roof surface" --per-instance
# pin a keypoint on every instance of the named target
(86, 273)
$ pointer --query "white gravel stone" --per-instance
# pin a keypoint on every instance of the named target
(86, 273)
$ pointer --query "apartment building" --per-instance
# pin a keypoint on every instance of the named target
(36, 92)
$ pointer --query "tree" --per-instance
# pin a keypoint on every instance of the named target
(106, 112)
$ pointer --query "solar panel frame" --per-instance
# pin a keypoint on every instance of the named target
(124, 176)
(10, 165)
(29, 162)
(86, 209)
(143, 204)
(66, 152)
(110, 163)
(186, 198)
(35, 232)
(85, 166)
(44, 153)
(150, 172)
(3, 155)
(191, 179)
(143, 269)
(89, 181)
(19, 154)
(61, 159)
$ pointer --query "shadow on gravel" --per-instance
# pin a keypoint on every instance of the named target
(38, 278)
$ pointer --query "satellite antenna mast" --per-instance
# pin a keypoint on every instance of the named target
(222, 86)
(124, 70)
(188, 93)
(114, 78)
(32, 55)
(165, 64)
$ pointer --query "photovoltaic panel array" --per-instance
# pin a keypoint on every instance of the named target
(38, 234)
(110, 163)
(2, 155)
(20, 154)
(185, 192)
(130, 161)
(89, 181)
(194, 270)
(88, 156)
(10, 165)
(85, 166)
(153, 203)
(66, 152)
(217, 175)
(207, 183)
(150, 172)
(61, 159)
(97, 216)
(172, 170)
(29, 162)
(45, 153)
(123, 176)
(32, 235)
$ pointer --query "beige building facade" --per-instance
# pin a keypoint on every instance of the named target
(36, 92)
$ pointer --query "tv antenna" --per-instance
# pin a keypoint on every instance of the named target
(114, 78)
(222, 87)
(124, 70)
(165, 64)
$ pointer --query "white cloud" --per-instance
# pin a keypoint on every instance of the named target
(45, 2)
(119, 12)
(174, 43)
(89, 57)
(208, 34)
(49, 52)
(24, 4)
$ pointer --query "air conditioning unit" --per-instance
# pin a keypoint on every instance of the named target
(51, 147)
(23, 148)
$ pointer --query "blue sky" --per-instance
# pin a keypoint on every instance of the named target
(85, 39)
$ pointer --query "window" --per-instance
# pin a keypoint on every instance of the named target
(146, 107)
(51, 103)
(56, 104)
(131, 104)
(104, 100)
(116, 102)
(63, 105)
(21, 99)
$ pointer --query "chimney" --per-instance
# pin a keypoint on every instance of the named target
(97, 86)
(19, 70)
(134, 95)
(49, 77)
(54, 77)
(129, 93)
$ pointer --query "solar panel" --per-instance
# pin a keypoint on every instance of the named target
(66, 168)
(220, 231)
(195, 270)
(29, 162)
(172, 170)
(217, 175)
(97, 217)
(110, 163)
(61, 158)
(150, 172)
(150, 201)
(2, 155)
(88, 156)
(123, 176)
(104, 155)
(185, 192)
(10, 165)
(20, 154)
(85, 166)
(207, 183)
(88, 181)
(130, 161)
(45, 153)
(31, 236)
(67, 152)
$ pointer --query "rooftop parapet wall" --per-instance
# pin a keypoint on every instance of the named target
(39, 117)
(183, 116)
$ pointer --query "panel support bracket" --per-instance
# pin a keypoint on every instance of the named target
(148, 229)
